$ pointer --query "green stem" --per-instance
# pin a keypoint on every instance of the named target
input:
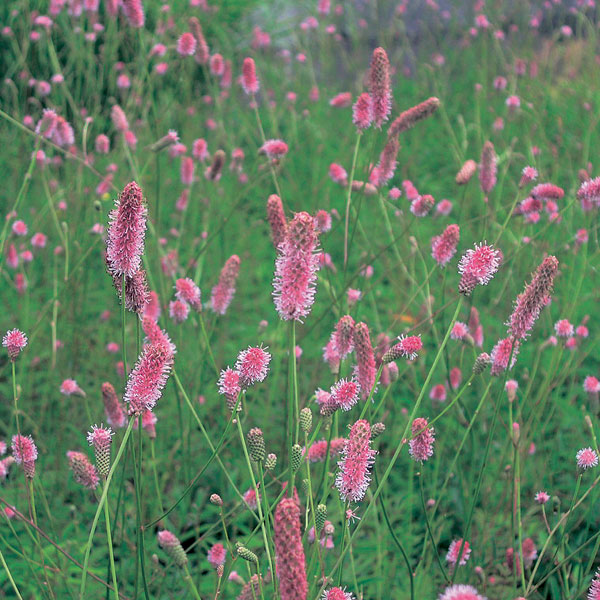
(110, 549)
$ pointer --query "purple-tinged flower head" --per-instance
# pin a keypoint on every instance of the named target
(249, 79)
(229, 386)
(134, 12)
(366, 371)
(102, 144)
(594, 591)
(337, 593)
(564, 328)
(149, 377)
(547, 191)
(202, 52)
(187, 291)
(69, 387)
(330, 355)
(501, 354)
(25, 453)
(591, 384)
(63, 133)
(217, 555)
(466, 172)
(338, 174)
(186, 44)
(277, 220)
(113, 409)
(420, 446)
(47, 124)
(488, 168)
(179, 310)
(217, 65)
(542, 497)
(125, 240)
(410, 117)
(443, 247)
(438, 393)
(84, 471)
(455, 548)
(274, 149)
(362, 113)
(155, 335)
(343, 336)
(589, 194)
(252, 365)
(379, 86)
(461, 592)
(477, 267)
(14, 341)
(119, 118)
(200, 149)
(344, 394)
(528, 175)
(407, 347)
(422, 205)
(296, 269)
(386, 167)
(187, 170)
(250, 499)
(172, 546)
(586, 459)
(289, 552)
(222, 294)
(101, 439)
(529, 304)
(459, 331)
(341, 100)
(455, 378)
(322, 221)
(354, 475)
(136, 289)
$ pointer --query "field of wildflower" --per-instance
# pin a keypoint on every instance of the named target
(299, 300)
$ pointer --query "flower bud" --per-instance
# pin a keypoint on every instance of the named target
(270, 462)
(296, 457)
(256, 444)
(306, 419)
(216, 499)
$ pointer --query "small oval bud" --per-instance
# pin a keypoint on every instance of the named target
(216, 499)
(320, 516)
(481, 363)
(296, 457)
(306, 419)
(270, 462)
(256, 444)
(246, 554)
(377, 430)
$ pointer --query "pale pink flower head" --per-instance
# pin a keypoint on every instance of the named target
(337, 593)
(366, 372)
(338, 174)
(69, 387)
(443, 247)
(477, 267)
(420, 446)
(47, 124)
(101, 440)
(528, 175)
(591, 384)
(343, 336)
(488, 168)
(249, 79)
(25, 452)
(342, 100)
(179, 310)
(323, 221)
(14, 341)
(119, 119)
(586, 459)
(542, 497)
(589, 194)
(379, 86)
(353, 296)
(459, 331)
(455, 548)
(438, 392)
(594, 591)
(582, 331)
(229, 386)
(274, 149)
(187, 291)
(407, 346)
(362, 112)
(422, 205)
(134, 12)
(222, 294)
(461, 592)
(563, 328)
(501, 355)
(354, 476)
(200, 149)
(186, 44)
(112, 407)
(84, 471)
(252, 365)
(250, 499)
(217, 555)
(125, 240)
(39, 240)
(102, 144)
(344, 394)
(455, 378)
(19, 227)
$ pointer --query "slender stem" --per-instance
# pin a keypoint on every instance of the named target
(190, 580)
(110, 550)
(138, 515)
(348, 200)
(10, 577)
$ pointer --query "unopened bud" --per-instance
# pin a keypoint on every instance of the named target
(256, 444)
(306, 419)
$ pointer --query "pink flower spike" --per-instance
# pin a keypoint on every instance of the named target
(179, 310)
(563, 328)
(460, 592)
(252, 365)
(455, 548)
(344, 394)
(501, 354)
(366, 372)
(477, 267)
(249, 79)
(217, 555)
(187, 291)
(229, 386)
(14, 341)
(379, 86)
(25, 452)
(420, 446)
(274, 149)
(362, 112)
(443, 247)
(586, 459)
(84, 471)
(542, 497)
(69, 387)
(343, 336)
(186, 44)
(222, 294)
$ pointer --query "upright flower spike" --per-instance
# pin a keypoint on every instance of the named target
(252, 365)
(420, 446)
(291, 565)
(343, 336)
(413, 115)
(25, 453)
(14, 341)
(277, 220)
(501, 355)
(172, 546)
(125, 240)
(529, 304)
(477, 267)
(386, 167)
(461, 592)
(134, 12)
(202, 51)
(296, 269)
(222, 294)
(344, 394)
(467, 171)
(362, 117)
(366, 371)
(187, 291)
(101, 439)
(249, 80)
(379, 86)
(112, 407)
(354, 476)
(217, 555)
(443, 247)
(407, 347)
(487, 168)
(229, 386)
(455, 547)
(84, 471)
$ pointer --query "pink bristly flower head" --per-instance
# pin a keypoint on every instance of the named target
(149, 421)
(202, 51)
(407, 346)
(587, 458)
(25, 453)
(455, 548)
(112, 407)
(460, 592)
(422, 205)
(589, 194)
(542, 497)
(252, 365)
(217, 555)
(366, 372)
(594, 591)
(488, 168)
(296, 269)
(341, 100)
(354, 476)
(410, 117)
(420, 446)
(318, 451)
(134, 12)
(477, 267)
(274, 149)
(119, 118)
(14, 341)
(125, 240)
(69, 387)
(186, 44)
(529, 174)
(344, 394)
(337, 593)
(187, 291)
(277, 220)
(547, 191)
(338, 174)
(250, 499)
(459, 331)
(438, 392)
(501, 354)
(323, 221)
(101, 439)
(591, 384)
(229, 386)
(289, 552)
(455, 378)
(149, 377)
(379, 86)
(386, 167)
(84, 471)
(249, 79)
(529, 304)
(362, 112)
(343, 336)
(187, 170)
(222, 293)
(563, 328)
(172, 546)
(443, 247)
(179, 310)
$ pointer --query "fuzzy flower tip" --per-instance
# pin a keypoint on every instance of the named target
(343, 336)
(488, 168)
(501, 355)
(594, 591)
(113, 409)
(407, 346)
(187, 291)
(587, 458)
(455, 549)
(125, 241)
(420, 446)
(274, 149)
(84, 471)
(461, 592)
(410, 117)
(14, 341)
(249, 79)
(337, 593)
(477, 267)
(217, 555)
(354, 475)
(277, 220)
(25, 452)
(229, 386)
(252, 365)
(172, 546)
(296, 269)
(362, 112)
(366, 371)
(379, 86)
(443, 247)
(101, 439)
(222, 294)
(344, 394)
